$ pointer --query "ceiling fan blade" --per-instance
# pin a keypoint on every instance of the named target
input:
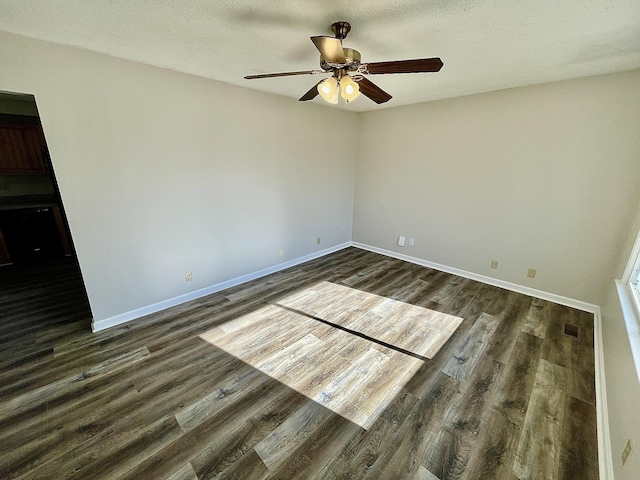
(284, 74)
(371, 90)
(404, 66)
(330, 48)
(312, 93)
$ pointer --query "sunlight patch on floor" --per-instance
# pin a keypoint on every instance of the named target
(348, 350)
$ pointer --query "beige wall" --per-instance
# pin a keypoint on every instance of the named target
(538, 177)
(623, 389)
(163, 173)
(622, 379)
(546, 177)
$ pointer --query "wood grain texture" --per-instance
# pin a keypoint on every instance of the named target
(538, 453)
(495, 449)
(234, 385)
(512, 399)
(451, 451)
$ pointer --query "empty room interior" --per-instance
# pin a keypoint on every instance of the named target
(424, 267)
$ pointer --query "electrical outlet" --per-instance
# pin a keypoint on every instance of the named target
(318, 241)
(281, 252)
(401, 241)
(626, 453)
(188, 277)
(411, 242)
(531, 273)
(494, 263)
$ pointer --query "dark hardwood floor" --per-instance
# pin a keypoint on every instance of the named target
(510, 395)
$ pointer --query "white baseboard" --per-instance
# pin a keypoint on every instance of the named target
(98, 325)
(605, 462)
(605, 459)
(514, 287)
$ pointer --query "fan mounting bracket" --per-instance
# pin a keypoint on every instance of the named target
(341, 29)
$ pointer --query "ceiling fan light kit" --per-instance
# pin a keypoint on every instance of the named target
(349, 89)
(340, 84)
(328, 89)
(341, 61)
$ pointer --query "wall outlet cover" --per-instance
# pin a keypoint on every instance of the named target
(401, 241)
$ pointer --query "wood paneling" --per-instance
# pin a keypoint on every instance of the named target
(22, 148)
(507, 396)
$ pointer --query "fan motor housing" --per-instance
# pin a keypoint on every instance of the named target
(352, 63)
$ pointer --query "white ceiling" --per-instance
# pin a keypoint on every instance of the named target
(485, 45)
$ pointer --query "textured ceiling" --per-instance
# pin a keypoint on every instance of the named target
(485, 45)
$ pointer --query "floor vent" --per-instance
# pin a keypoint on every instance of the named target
(571, 330)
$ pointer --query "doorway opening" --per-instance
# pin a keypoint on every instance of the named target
(35, 239)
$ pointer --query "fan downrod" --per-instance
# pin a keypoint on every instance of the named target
(341, 29)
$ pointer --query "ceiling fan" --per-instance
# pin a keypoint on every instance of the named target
(347, 77)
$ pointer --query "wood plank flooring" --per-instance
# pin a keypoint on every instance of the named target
(240, 384)
(337, 345)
